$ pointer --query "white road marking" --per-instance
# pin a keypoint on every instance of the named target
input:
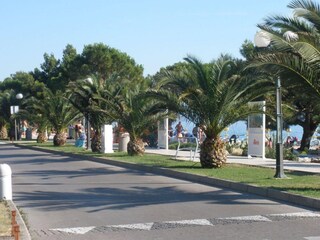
(249, 218)
(298, 214)
(137, 226)
(202, 222)
(77, 230)
(199, 222)
(313, 238)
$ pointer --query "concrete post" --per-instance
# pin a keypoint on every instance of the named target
(5, 182)
(107, 139)
(123, 143)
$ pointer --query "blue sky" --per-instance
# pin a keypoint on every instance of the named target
(156, 33)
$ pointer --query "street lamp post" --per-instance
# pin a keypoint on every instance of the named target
(90, 81)
(88, 132)
(261, 39)
(279, 140)
(18, 96)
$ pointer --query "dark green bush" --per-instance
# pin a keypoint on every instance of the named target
(287, 154)
(182, 145)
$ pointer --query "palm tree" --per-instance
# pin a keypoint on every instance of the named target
(85, 95)
(126, 103)
(54, 109)
(294, 55)
(5, 113)
(212, 96)
(35, 118)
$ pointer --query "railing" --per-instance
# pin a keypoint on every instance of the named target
(15, 229)
(192, 153)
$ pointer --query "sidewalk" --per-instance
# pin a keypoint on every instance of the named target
(266, 162)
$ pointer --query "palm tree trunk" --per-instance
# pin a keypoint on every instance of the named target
(135, 147)
(59, 139)
(3, 132)
(309, 127)
(212, 153)
(42, 137)
(96, 145)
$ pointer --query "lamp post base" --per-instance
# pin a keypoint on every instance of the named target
(279, 161)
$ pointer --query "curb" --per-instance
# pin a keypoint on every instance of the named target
(270, 193)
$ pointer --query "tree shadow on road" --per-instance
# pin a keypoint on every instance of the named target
(135, 195)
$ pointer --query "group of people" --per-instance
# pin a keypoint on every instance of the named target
(197, 132)
(290, 141)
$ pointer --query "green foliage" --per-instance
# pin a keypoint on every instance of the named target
(188, 145)
(129, 106)
(247, 49)
(238, 148)
(53, 108)
(86, 96)
(212, 96)
(294, 56)
(270, 153)
(101, 59)
(150, 138)
(287, 154)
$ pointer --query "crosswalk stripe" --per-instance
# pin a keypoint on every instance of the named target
(201, 222)
(77, 230)
(249, 218)
(195, 222)
(298, 214)
(137, 226)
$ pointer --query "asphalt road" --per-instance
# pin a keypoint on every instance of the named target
(67, 198)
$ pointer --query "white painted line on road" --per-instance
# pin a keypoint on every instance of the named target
(78, 230)
(137, 226)
(249, 218)
(192, 222)
(297, 214)
(201, 222)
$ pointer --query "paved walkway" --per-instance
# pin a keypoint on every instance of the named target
(263, 162)
(255, 161)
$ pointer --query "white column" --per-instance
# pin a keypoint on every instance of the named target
(107, 139)
(166, 133)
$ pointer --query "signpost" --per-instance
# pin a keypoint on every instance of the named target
(163, 127)
(256, 131)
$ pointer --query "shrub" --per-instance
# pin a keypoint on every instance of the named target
(182, 145)
(270, 153)
(287, 154)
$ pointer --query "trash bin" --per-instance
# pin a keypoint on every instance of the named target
(5, 182)
(29, 134)
(123, 143)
